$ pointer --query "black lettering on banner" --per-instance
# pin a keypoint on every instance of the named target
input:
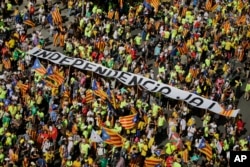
(122, 77)
(77, 63)
(89, 66)
(44, 54)
(134, 81)
(113, 76)
(165, 89)
(37, 51)
(55, 56)
(211, 106)
(101, 70)
(190, 95)
(156, 87)
(148, 82)
(140, 80)
(197, 101)
(66, 60)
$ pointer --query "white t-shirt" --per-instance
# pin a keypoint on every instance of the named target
(191, 131)
(183, 124)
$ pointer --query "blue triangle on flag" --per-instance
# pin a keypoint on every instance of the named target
(49, 70)
(136, 118)
(105, 135)
(36, 64)
(94, 85)
(158, 153)
(202, 144)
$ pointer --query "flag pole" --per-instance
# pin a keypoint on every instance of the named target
(82, 8)
(68, 78)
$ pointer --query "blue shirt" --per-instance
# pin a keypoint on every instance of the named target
(157, 51)
(53, 116)
(41, 162)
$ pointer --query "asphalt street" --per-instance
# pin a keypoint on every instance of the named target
(243, 104)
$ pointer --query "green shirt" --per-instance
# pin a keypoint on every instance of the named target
(103, 162)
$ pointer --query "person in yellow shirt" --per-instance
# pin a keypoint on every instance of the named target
(49, 157)
(144, 150)
(76, 163)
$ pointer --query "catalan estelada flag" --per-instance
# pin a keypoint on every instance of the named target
(38, 67)
(57, 18)
(29, 23)
(205, 148)
(111, 137)
(23, 87)
(100, 93)
(154, 3)
(111, 99)
(89, 96)
(54, 76)
(50, 83)
(128, 122)
(152, 162)
(183, 49)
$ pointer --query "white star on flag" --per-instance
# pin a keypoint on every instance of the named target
(94, 137)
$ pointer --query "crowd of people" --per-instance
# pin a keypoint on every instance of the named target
(192, 45)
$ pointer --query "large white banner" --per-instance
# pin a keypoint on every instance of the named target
(131, 79)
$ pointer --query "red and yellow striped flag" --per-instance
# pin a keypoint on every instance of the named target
(29, 23)
(241, 20)
(57, 18)
(155, 4)
(113, 101)
(206, 149)
(6, 63)
(111, 137)
(57, 78)
(152, 162)
(240, 5)
(89, 96)
(214, 8)
(208, 5)
(226, 26)
(50, 83)
(183, 12)
(183, 49)
(100, 93)
(128, 122)
(227, 113)
(23, 87)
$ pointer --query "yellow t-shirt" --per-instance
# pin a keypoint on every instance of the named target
(76, 164)
(144, 150)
